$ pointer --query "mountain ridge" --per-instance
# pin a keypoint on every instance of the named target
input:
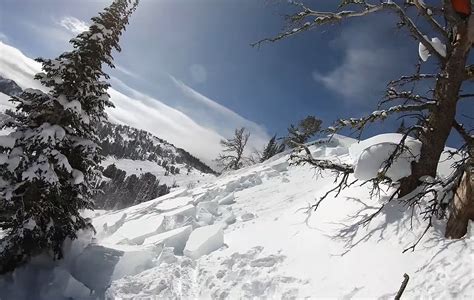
(163, 166)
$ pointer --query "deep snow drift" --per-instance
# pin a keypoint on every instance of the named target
(247, 235)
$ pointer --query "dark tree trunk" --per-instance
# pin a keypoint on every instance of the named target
(462, 208)
(441, 118)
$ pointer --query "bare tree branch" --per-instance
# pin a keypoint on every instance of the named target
(428, 15)
(360, 123)
(321, 18)
(468, 138)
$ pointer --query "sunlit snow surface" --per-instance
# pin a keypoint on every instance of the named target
(271, 247)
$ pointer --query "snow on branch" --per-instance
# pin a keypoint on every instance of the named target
(297, 158)
(316, 18)
(411, 78)
(427, 13)
(360, 123)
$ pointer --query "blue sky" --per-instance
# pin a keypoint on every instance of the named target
(186, 53)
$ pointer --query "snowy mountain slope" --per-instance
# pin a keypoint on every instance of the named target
(152, 165)
(9, 87)
(4, 103)
(139, 167)
(271, 248)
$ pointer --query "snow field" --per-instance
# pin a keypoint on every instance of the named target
(247, 235)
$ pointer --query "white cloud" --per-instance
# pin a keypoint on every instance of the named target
(351, 78)
(73, 25)
(366, 66)
(126, 71)
(145, 112)
(142, 111)
(218, 117)
(59, 32)
(16, 66)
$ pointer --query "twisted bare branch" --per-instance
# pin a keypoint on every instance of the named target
(322, 18)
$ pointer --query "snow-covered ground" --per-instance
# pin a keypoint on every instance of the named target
(246, 235)
(183, 179)
(4, 105)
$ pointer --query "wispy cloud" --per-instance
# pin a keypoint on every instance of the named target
(56, 32)
(126, 71)
(131, 107)
(351, 78)
(73, 25)
(366, 66)
(218, 117)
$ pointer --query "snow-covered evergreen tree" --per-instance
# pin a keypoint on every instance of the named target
(48, 165)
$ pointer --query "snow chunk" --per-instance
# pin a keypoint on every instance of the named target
(30, 224)
(94, 267)
(227, 200)
(356, 148)
(204, 217)
(135, 259)
(174, 203)
(209, 206)
(78, 177)
(136, 231)
(437, 45)
(371, 161)
(336, 151)
(176, 239)
(281, 167)
(204, 240)
(340, 140)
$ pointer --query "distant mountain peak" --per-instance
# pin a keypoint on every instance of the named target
(9, 87)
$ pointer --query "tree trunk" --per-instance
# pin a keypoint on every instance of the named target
(441, 118)
(462, 208)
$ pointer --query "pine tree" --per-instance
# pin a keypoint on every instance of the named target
(300, 134)
(232, 157)
(50, 162)
(272, 149)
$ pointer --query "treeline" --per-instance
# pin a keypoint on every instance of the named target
(120, 191)
(122, 141)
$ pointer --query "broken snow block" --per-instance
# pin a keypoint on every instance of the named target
(135, 259)
(204, 217)
(281, 167)
(178, 218)
(247, 217)
(167, 256)
(134, 232)
(272, 173)
(204, 240)
(187, 211)
(336, 151)
(233, 186)
(209, 206)
(94, 267)
(229, 218)
(176, 239)
(227, 200)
